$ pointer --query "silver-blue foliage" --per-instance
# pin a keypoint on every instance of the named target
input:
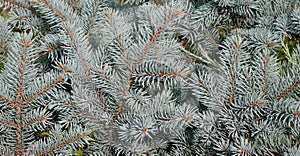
(149, 77)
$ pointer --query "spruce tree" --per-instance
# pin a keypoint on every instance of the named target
(149, 77)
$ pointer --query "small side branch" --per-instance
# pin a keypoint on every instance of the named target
(34, 121)
(7, 101)
(52, 148)
(58, 80)
(288, 90)
(81, 112)
(56, 12)
(120, 105)
(8, 123)
(256, 104)
(154, 38)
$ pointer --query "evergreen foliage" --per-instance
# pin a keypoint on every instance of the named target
(149, 77)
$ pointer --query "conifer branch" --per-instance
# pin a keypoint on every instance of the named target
(289, 89)
(44, 90)
(16, 3)
(58, 145)
(13, 104)
(114, 78)
(35, 121)
(155, 37)
(56, 12)
(8, 123)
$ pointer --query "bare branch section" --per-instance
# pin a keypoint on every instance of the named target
(19, 143)
(232, 84)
